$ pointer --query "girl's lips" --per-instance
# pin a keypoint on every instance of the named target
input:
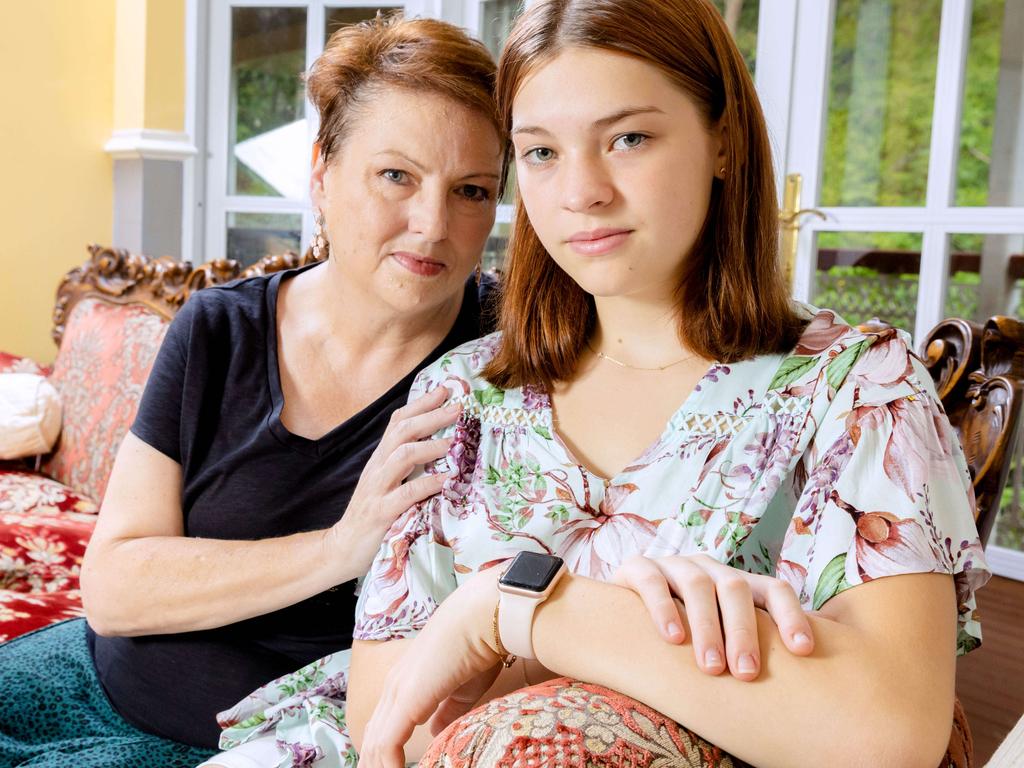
(417, 264)
(600, 245)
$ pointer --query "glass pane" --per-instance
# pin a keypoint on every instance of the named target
(267, 132)
(881, 88)
(496, 17)
(864, 275)
(986, 276)
(251, 236)
(741, 18)
(1009, 526)
(493, 259)
(336, 18)
(991, 163)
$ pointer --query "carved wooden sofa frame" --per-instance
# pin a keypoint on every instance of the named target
(978, 372)
(160, 283)
(47, 511)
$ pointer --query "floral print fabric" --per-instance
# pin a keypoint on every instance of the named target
(828, 467)
(100, 372)
(45, 524)
(566, 723)
(44, 529)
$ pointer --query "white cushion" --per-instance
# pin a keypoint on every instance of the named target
(30, 414)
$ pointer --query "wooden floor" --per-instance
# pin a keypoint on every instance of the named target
(990, 680)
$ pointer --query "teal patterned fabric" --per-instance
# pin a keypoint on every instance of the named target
(54, 713)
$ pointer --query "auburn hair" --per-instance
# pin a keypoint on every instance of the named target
(732, 299)
(390, 51)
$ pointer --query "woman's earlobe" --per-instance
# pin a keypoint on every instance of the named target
(316, 177)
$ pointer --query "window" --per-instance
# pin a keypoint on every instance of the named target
(260, 126)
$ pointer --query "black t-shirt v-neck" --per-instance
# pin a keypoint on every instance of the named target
(213, 403)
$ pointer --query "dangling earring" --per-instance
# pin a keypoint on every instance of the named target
(478, 272)
(320, 245)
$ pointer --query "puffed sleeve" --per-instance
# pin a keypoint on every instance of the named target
(887, 490)
(414, 570)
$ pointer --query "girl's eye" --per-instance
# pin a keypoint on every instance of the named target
(393, 174)
(475, 193)
(629, 141)
(538, 155)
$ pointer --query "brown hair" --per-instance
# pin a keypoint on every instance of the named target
(422, 55)
(732, 299)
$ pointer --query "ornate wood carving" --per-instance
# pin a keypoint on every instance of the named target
(987, 428)
(159, 283)
(1002, 347)
(978, 373)
(951, 351)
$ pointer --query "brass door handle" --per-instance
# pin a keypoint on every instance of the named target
(789, 217)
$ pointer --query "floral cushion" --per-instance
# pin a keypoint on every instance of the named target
(100, 372)
(44, 529)
(572, 724)
(21, 612)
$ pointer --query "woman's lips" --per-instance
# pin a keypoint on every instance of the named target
(417, 264)
(599, 241)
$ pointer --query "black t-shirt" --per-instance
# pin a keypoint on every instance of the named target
(213, 404)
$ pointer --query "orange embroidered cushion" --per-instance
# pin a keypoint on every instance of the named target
(100, 372)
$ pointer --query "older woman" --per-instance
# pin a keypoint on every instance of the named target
(269, 453)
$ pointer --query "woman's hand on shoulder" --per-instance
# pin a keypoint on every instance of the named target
(382, 494)
(719, 602)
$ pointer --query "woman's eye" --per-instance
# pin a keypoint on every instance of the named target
(538, 155)
(475, 193)
(393, 174)
(629, 141)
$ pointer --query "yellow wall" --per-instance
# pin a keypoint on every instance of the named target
(165, 65)
(72, 72)
(149, 74)
(57, 79)
(130, 64)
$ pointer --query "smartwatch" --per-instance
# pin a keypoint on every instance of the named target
(527, 582)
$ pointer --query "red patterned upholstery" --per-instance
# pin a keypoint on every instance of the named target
(564, 723)
(46, 518)
(21, 612)
(100, 372)
(44, 529)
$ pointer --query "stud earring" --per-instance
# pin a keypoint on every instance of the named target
(320, 244)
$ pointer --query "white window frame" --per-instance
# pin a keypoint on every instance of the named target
(939, 217)
(936, 220)
(208, 63)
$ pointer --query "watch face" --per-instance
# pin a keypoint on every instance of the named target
(532, 571)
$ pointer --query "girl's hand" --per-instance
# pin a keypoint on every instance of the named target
(716, 597)
(382, 494)
(442, 675)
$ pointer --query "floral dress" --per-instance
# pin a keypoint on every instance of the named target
(827, 467)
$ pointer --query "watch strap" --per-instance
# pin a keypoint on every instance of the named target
(515, 623)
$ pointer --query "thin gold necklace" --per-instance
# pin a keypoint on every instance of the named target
(638, 367)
